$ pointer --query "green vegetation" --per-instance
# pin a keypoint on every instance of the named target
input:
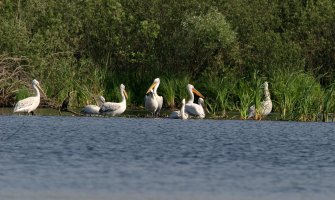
(226, 49)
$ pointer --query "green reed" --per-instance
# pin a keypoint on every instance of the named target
(297, 95)
(257, 92)
(180, 87)
(168, 90)
(328, 103)
(244, 94)
(307, 107)
(284, 93)
(217, 90)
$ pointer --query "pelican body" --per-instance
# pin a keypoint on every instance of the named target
(179, 114)
(93, 109)
(113, 108)
(192, 108)
(266, 105)
(153, 102)
(30, 104)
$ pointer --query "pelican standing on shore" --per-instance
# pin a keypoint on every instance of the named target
(192, 108)
(30, 104)
(151, 103)
(116, 108)
(154, 102)
(93, 109)
(266, 105)
(179, 114)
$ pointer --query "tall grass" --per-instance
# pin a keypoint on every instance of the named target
(14, 80)
(284, 93)
(245, 96)
(218, 90)
(328, 103)
(257, 93)
(307, 107)
(181, 90)
(297, 95)
(169, 91)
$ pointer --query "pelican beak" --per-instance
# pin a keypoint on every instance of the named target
(151, 87)
(38, 86)
(197, 93)
(125, 94)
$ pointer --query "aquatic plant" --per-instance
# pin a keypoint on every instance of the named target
(217, 89)
(257, 93)
(244, 94)
(328, 103)
(297, 95)
(284, 92)
(180, 87)
(168, 91)
(307, 106)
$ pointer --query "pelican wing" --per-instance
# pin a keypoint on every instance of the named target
(90, 109)
(175, 115)
(110, 106)
(266, 107)
(24, 104)
(195, 110)
(160, 104)
(151, 104)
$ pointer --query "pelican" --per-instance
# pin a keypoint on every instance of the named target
(30, 104)
(179, 114)
(115, 108)
(201, 102)
(151, 103)
(266, 105)
(93, 109)
(192, 108)
(154, 103)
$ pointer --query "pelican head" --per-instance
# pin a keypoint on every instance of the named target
(37, 84)
(201, 101)
(156, 82)
(191, 88)
(102, 99)
(265, 85)
(123, 90)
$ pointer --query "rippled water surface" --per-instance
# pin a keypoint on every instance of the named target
(64, 157)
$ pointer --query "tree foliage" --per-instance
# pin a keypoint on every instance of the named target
(87, 45)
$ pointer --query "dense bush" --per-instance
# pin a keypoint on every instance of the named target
(94, 46)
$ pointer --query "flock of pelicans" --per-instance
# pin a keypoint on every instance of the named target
(153, 103)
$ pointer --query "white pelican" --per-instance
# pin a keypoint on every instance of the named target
(154, 103)
(30, 104)
(266, 105)
(179, 114)
(151, 103)
(115, 108)
(192, 108)
(201, 102)
(93, 109)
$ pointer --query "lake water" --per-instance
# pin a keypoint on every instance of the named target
(66, 157)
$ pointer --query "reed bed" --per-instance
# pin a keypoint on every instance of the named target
(296, 95)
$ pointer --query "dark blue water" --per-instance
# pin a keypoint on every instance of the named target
(46, 157)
